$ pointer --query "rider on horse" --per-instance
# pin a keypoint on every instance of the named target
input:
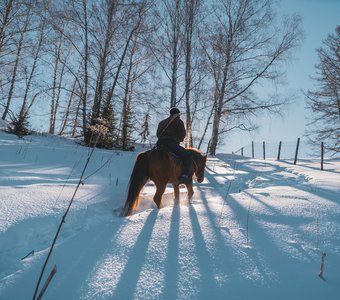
(170, 133)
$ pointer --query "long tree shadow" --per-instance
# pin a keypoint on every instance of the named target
(327, 165)
(279, 262)
(84, 258)
(126, 286)
(268, 263)
(206, 263)
(72, 253)
(293, 249)
(217, 263)
(270, 180)
(259, 241)
(172, 266)
(273, 177)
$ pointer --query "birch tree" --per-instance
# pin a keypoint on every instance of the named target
(9, 15)
(244, 49)
(5, 21)
(191, 19)
(56, 80)
(20, 45)
(324, 100)
(71, 21)
(107, 23)
(26, 102)
(168, 45)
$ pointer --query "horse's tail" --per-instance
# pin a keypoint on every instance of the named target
(139, 177)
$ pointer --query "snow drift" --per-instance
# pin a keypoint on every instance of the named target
(254, 230)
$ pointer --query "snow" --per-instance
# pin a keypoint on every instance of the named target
(254, 229)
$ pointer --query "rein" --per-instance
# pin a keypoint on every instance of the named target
(196, 164)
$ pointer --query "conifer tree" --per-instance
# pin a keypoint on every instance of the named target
(145, 133)
(108, 120)
(19, 125)
(126, 140)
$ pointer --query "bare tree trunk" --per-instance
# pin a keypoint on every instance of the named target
(103, 62)
(323, 101)
(24, 109)
(218, 104)
(58, 96)
(206, 128)
(54, 100)
(215, 129)
(67, 112)
(176, 23)
(126, 104)
(190, 14)
(75, 122)
(16, 64)
(86, 60)
(78, 36)
(114, 83)
(264, 49)
(6, 13)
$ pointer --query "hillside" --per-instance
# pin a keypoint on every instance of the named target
(254, 229)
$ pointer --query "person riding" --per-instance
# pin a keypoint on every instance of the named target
(170, 132)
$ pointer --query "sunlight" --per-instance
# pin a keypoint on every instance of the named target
(105, 277)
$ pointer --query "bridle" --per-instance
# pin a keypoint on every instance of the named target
(197, 166)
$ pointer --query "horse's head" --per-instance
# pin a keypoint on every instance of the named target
(199, 162)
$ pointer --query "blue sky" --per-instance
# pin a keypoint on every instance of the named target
(319, 18)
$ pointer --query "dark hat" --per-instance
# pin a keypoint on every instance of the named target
(174, 111)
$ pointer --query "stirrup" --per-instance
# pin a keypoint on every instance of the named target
(184, 178)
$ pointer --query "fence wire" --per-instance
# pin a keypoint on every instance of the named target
(288, 149)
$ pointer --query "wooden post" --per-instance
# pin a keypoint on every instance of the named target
(279, 152)
(264, 151)
(297, 150)
(323, 255)
(322, 156)
(252, 149)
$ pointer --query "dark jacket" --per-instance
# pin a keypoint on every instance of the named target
(175, 131)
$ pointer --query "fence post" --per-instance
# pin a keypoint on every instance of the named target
(297, 150)
(279, 153)
(252, 149)
(264, 151)
(322, 156)
(242, 151)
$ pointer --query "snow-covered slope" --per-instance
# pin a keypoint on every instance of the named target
(254, 230)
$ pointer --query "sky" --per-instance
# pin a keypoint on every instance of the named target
(319, 18)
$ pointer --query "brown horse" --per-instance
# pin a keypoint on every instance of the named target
(162, 168)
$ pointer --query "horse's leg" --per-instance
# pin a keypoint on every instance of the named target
(190, 191)
(157, 198)
(176, 192)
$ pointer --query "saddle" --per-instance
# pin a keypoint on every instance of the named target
(178, 161)
(173, 156)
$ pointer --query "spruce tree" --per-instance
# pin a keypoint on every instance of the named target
(107, 120)
(19, 125)
(145, 133)
(126, 140)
